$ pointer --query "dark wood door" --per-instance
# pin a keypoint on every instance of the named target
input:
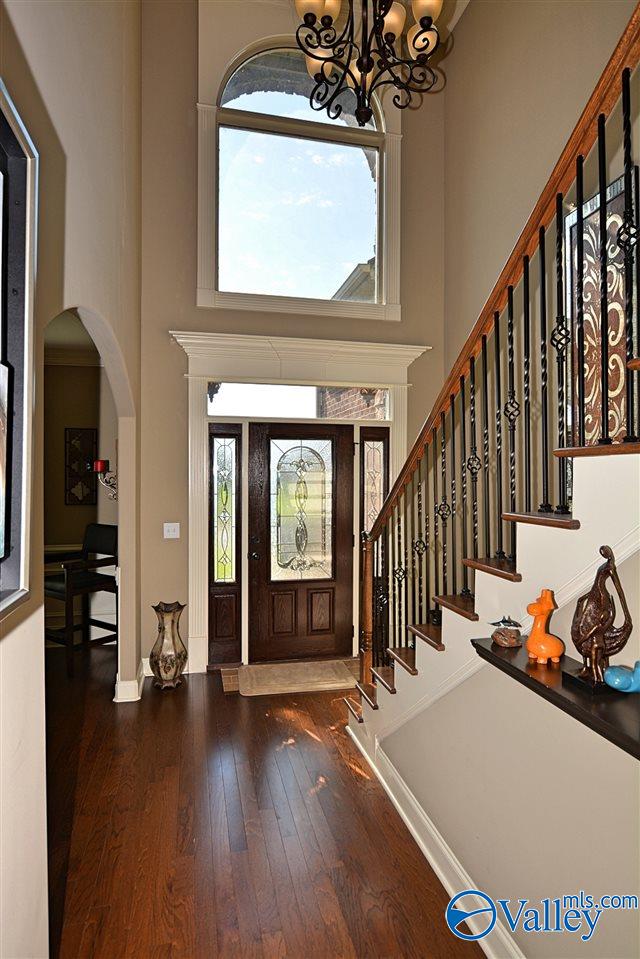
(300, 541)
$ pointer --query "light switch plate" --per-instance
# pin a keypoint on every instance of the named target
(172, 530)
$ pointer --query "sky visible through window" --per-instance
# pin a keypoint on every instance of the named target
(296, 216)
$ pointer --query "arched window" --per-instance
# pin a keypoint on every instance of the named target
(299, 197)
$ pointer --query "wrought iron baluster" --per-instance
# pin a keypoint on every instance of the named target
(399, 573)
(473, 463)
(405, 557)
(436, 530)
(605, 439)
(485, 448)
(384, 597)
(498, 388)
(376, 651)
(526, 384)
(454, 551)
(393, 577)
(636, 206)
(545, 505)
(444, 510)
(463, 484)
(627, 240)
(511, 412)
(419, 545)
(560, 339)
(412, 551)
(427, 537)
(579, 347)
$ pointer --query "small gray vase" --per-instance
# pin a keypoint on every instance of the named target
(168, 657)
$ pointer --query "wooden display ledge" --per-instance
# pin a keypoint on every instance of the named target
(611, 714)
(606, 449)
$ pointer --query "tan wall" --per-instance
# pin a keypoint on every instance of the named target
(532, 803)
(71, 399)
(73, 72)
(518, 78)
(170, 35)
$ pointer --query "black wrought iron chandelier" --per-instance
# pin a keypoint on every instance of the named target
(365, 47)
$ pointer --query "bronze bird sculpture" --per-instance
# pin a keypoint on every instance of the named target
(592, 630)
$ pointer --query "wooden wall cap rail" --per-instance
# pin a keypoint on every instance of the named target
(602, 100)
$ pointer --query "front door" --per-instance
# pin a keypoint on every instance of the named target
(300, 541)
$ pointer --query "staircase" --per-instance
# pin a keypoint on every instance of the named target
(528, 461)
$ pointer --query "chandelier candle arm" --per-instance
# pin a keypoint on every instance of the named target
(367, 52)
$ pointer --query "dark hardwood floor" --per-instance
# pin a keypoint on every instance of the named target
(194, 824)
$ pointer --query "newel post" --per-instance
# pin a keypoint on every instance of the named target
(366, 610)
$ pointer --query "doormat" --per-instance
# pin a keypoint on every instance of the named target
(267, 679)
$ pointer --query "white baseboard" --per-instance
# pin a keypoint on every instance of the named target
(498, 944)
(129, 690)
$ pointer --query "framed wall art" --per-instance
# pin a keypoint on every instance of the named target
(18, 192)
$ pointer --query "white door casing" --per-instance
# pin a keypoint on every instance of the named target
(265, 359)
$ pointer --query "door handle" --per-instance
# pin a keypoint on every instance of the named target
(254, 555)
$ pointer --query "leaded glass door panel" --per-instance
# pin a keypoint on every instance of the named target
(225, 565)
(300, 541)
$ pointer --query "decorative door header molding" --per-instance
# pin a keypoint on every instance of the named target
(297, 359)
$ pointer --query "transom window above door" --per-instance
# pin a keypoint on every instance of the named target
(297, 211)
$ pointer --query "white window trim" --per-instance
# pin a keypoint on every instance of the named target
(389, 183)
(266, 359)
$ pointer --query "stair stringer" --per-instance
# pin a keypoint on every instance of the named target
(606, 500)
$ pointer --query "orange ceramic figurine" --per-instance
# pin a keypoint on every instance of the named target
(541, 645)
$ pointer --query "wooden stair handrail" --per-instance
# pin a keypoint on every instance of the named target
(603, 98)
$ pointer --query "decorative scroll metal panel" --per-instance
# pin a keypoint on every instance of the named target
(224, 509)
(615, 319)
(301, 509)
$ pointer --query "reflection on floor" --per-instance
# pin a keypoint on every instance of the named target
(194, 824)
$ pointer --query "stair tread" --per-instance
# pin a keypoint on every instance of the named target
(406, 656)
(368, 691)
(463, 605)
(429, 633)
(385, 675)
(634, 364)
(554, 520)
(354, 708)
(607, 449)
(504, 568)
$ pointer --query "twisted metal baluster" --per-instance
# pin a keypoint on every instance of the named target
(463, 481)
(560, 339)
(545, 505)
(414, 555)
(420, 546)
(400, 574)
(393, 577)
(627, 240)
(511, 412)
(485, 448)
(473, 463)
(405, 556)
(384, 592)
(444, 510)
(579, 374)
(498, 389)
(526, 383)
(436, 530)
(454, 551)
